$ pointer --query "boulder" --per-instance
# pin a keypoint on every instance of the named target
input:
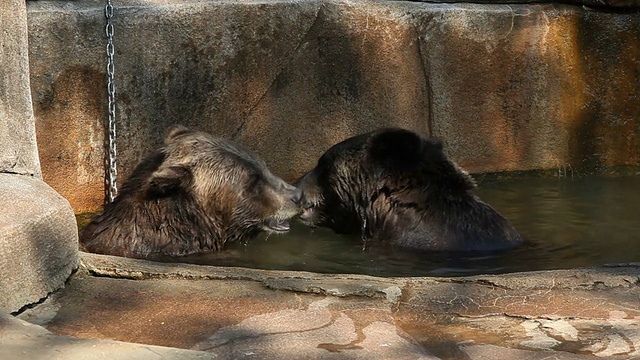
(38, 233)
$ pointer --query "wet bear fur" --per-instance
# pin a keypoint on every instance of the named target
(191, 196)
(395, 187)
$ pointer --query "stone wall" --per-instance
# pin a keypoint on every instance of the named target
(506, 87)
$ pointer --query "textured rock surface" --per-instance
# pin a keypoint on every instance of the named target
(236, 312)
(21, 340)
(507, 87)
(631, 5)
(38, 233)
(18, 151)
(531, 87)
(38, 241)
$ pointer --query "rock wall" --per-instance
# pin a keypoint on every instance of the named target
(505, 86)
(38, 241)
(38, 233)
(18, 151)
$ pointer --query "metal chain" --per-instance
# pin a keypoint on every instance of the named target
(112, 172)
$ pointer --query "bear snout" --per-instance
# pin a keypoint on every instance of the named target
(307, 215)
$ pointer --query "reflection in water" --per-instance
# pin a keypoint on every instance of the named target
(568, 222)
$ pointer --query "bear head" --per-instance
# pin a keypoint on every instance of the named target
(191, 196)
(393, 186)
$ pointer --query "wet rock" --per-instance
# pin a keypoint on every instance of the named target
(597, 278)
(338, 287)
(342, 285)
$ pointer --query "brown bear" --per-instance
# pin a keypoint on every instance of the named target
(191, 196)
(395, 187)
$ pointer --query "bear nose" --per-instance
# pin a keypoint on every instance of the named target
(297, 196)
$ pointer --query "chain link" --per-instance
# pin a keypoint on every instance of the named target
(112, 171)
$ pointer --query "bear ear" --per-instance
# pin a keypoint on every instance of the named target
(174, 132)
(167, 180)
(397, 148)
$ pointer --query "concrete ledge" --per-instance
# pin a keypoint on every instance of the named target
(38, 241)
(236, 313)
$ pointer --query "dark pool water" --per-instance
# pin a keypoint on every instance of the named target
(569, 222)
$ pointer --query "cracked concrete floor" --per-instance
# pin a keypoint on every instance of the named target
(236, 313)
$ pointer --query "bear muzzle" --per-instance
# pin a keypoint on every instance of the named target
(307, 215)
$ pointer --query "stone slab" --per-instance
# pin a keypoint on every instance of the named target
(505, 86)
(230, 319)
(38, 241)
(20, 340)
(237, 312)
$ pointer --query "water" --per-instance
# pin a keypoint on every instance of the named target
(569, 222)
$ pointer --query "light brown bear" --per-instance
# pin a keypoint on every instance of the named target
(191, 196)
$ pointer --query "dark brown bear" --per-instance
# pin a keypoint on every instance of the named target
(394, 187)
(191, 196)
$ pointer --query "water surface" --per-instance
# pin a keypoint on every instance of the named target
(569, 222)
